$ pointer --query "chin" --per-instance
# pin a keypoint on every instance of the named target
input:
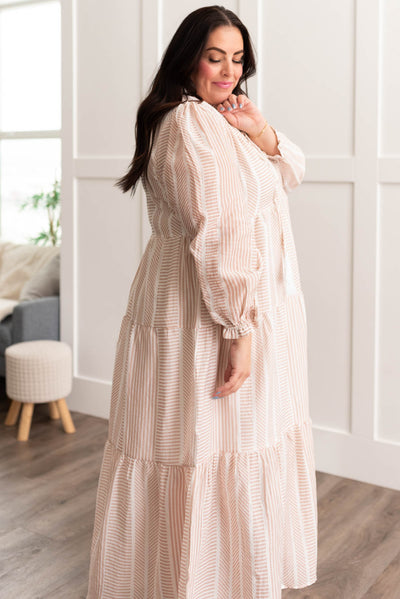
(219, 96)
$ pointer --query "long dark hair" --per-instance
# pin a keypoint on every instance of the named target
(172, 80)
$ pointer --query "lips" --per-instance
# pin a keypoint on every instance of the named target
(222, 84)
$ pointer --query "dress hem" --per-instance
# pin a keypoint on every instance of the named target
(237, 518)
(303, 586)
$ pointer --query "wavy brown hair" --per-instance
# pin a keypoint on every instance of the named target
(172, 81)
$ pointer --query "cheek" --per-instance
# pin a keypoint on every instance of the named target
(239, 71)
(206, 70)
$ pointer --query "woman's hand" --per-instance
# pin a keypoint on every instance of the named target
(239, 366)
(240, 112)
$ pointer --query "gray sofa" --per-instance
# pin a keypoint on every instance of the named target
(29, 294)
(34, 319)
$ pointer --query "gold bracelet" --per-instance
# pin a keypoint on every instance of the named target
(262, 130)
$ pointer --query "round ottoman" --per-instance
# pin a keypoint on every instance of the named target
(38, 372)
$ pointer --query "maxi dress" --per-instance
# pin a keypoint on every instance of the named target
(202, 498)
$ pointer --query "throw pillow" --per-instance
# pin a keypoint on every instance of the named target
(44, 283)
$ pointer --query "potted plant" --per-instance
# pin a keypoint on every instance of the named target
(51, 202)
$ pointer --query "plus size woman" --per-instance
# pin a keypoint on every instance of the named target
(207, 484)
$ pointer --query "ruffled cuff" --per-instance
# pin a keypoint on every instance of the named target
(290, 162)
(244, 327)
(281, 147)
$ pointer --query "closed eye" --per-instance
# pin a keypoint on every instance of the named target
(235, 61)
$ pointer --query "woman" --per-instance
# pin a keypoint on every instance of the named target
(207, 486)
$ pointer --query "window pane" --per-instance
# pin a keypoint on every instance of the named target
(30, 67)
(27, 167)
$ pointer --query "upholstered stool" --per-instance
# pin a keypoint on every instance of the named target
(38, 372)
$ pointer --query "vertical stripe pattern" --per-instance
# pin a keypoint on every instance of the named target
(201, 498)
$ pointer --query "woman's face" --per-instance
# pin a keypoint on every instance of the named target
(220, 66)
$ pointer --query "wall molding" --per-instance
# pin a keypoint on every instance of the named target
(321, 169)
(360, 458)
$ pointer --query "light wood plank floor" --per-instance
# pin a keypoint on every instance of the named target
(47, 498)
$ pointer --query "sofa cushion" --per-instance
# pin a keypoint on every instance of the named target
(18, 263)
(45, 282)
(5, 333)
(6, 307)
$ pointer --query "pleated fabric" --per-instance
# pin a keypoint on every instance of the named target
(202, 498)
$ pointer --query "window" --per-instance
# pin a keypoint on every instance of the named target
(30, 112)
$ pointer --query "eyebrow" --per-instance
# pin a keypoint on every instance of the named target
(223, 51)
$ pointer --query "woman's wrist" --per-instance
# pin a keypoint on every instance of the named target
(258, 128)
(266, 139)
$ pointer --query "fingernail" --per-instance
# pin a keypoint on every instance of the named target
(229, 108)
(222, 108)
(240, 105)
(233, 105)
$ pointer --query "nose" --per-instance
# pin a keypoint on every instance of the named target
(227, 69)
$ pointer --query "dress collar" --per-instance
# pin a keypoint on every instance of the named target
(190, 97)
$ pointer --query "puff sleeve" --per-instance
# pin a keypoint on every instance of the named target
(208, 192)
(290, 164)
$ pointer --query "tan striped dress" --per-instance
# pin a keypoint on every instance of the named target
(202, 498)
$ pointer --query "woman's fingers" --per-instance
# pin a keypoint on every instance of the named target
(234, 383)
(229, 387)
(233, 102)
(241, 100)
(228, 372)
(229, 104)
(238, 368)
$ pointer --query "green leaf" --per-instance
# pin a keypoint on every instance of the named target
(51, 202)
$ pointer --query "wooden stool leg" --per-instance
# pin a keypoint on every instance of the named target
(54, 411)
(13, 412)
(65, 416)
(25, 422)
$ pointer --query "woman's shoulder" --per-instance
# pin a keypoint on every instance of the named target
(198, 112)
(191, 105)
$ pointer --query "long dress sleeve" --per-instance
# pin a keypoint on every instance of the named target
(290, 163)
(209, 193)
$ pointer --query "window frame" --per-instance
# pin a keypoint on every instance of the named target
(29, 134)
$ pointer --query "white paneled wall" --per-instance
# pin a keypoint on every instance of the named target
(388, 371)
(328, 77)
(322, 225)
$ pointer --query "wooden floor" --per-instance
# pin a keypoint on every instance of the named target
(47, 498)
